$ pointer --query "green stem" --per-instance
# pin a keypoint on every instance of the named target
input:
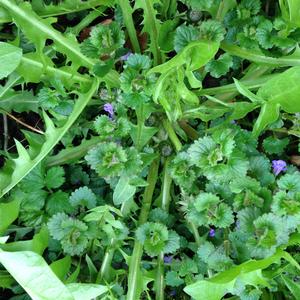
(189, 130)
(195, 233)
(127, 15)
(160, 278)
(167, 180)
(153, 32)
(87, 20)
(177, 144)
(251, 84)
(140, 124)
(48, 70)
(134, 289)
(71, 154)
(165, 203)
(56, 10)
(172, 135)
(104, 272)
(259, 57)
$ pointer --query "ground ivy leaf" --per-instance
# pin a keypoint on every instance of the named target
(274, 145)
(220, 66)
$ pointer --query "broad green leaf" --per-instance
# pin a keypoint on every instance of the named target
(167, 34)
(10, 58)
(92, 269)
(249, 273)
(241, 109)
(151, 25)
(16, 169)
(4, 16)
(4, 239)
(39, 30)
(61, 267)
(247, 93)
(84, 291)
(38, 244)
(6, 280)
(290, 10)
(8, 213)
(269, 113)
(32, 272)
(141, 136)
(33, 69)
(67, 6)
(292, 286)
(19, 102)
(123, 191)
(195, 55)
(73, 277)
(283, 89)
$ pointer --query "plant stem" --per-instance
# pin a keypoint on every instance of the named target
(127, 15)
(134, 289)
(56, 10)
(189, 130)
(48, 70)
(69, 154)
(177, 144)
(104, 272)
(166, 185)
(5, 132)
(165, 203)
(251, 84)
(153, 32)
(160, 278)
(172, 135)
(87, 20)
(258, 57)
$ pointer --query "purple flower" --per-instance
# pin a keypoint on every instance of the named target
(125, 56)
(278, 166)
(110, 109)
(212, 232)
(168, 259)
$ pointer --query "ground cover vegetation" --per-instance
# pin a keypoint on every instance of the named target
(149, 149)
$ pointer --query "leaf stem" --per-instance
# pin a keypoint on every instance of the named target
(153, 32)
(74, 153)
(127, 15)
(87, 20)
(57, 10)
(177, 144)
(5, 132)
(134, 289)
(172, 135)
(251, 84)
(259, 57)
(104, 272)
(165, 203)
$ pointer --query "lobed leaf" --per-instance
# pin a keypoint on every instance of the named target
(16, 169)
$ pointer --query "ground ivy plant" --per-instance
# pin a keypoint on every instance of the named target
(149, 149)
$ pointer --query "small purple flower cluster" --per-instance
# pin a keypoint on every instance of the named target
(279, 166)
(109, 109)
(212, 232)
